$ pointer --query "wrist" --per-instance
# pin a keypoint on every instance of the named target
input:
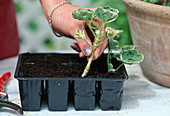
(51, 13)
(48, 5)
(61, 13)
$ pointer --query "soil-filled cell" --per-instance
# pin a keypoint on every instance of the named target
(84, 94)
(57, 94)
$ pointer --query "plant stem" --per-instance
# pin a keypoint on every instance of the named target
(103, 42)
(103, 36)
(97, 39)
(119, 67)
(87, 42)
(86, 70)
(101, 29)
(108, 56)
(91, 30)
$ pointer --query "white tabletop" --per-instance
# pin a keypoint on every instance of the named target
(141, 97)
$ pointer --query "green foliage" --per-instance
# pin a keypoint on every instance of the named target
(112, 32)
(111, 68)
(130, 57)
(93, 24)
(129, 47)
(127, 55)
(32, 25)
(113, 44)
(121, 23)
(151, 1)
(97, 32)
(18, 7)
(49, 43)
(160, 2)
(106, 14)
(168, 4)
(83, 14)
(80, 34)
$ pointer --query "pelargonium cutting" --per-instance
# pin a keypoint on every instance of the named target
(126, 54)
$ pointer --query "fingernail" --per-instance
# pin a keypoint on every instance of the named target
(81, 55)
(97, 56)
(87, 50)
(72, 46)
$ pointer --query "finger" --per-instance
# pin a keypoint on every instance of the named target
(88, 49)
(75, 47)
(100, 49)
(97, 52)
(81, 55)
(89, 57)
(90, 34)
(85, 48)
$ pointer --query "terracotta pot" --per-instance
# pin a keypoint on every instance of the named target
(150, 29)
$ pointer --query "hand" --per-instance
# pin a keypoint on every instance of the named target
(66, 25)
(89, 36)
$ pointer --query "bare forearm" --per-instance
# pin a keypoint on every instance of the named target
(47, 5)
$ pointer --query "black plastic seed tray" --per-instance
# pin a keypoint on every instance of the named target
(37, 72)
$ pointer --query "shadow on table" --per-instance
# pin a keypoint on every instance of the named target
(135, 90)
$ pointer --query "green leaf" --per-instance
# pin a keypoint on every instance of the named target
(110, 67)
(154, 1)
(83, 14)
(130, 57)
(121, 23)
(168, 4)
(113, 44)
(129, 47)
(106, 14)
(97, 32)
(80, 34)
(112, 32)
(93, 24)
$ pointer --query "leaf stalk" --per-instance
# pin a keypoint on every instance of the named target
(91, 30)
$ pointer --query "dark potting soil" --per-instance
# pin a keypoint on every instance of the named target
(64, 65)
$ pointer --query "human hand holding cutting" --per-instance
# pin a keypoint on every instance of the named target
(64, 24)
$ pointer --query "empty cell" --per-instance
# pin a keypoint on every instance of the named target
(84, 94)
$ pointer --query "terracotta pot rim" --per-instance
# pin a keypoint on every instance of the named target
(141, 6)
